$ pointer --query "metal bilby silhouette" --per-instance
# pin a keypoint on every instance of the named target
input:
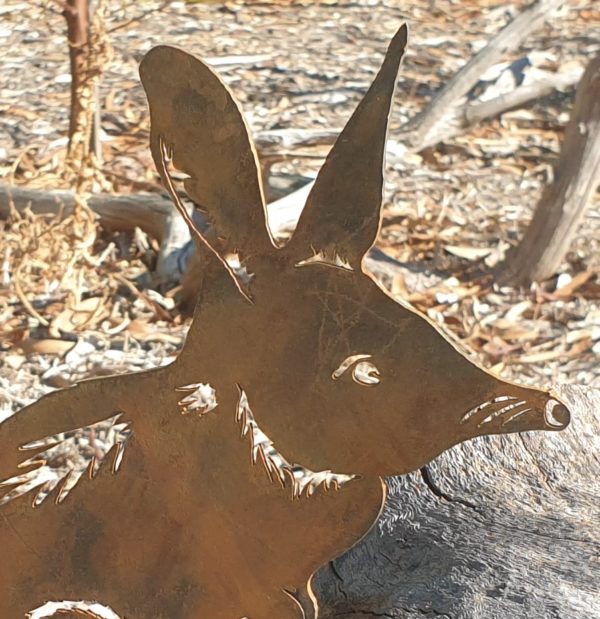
(214, 487)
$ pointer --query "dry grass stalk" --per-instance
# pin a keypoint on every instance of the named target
(90, 53)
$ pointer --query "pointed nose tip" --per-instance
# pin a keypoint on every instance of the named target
(556, 415)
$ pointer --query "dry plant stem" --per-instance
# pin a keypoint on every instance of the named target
(89, 52)
(23, 297)
(77, 18)
(563, 202)
(159, 312)
(436, 121)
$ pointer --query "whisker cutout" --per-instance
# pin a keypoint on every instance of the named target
(476, 409)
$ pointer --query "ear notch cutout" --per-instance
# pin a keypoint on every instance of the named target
(195, 115)
(162, 157)
(342, 216)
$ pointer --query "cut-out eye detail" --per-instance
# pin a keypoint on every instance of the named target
(363, 372)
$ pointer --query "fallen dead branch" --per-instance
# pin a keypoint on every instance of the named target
(436, 121)
(564, 200)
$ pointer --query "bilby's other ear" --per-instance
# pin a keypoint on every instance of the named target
(342, 213)
(193, 113)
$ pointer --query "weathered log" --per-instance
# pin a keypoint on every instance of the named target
(152, 213)
(495, 528)
(564, 200)
(149, 212)
(478, 112)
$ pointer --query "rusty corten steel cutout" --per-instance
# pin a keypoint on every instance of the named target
(300, 387)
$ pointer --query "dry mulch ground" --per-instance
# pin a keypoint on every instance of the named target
(468, 199)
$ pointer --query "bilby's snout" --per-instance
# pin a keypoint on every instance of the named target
(519, 412)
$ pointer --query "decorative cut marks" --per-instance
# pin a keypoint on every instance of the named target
(303, 480)
(322, 258)
(201, 399)
(66, 458)
(490, 405)
(511, 408)
(92, 610)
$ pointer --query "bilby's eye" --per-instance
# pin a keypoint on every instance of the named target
(363, 372)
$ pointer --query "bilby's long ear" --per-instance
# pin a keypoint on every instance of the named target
(342, 213)
(195, 116)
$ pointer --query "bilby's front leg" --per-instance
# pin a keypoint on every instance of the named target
(81, 406)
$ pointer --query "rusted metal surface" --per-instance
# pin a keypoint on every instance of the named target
(257, 455)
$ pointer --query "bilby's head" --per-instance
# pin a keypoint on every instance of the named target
(339, 375)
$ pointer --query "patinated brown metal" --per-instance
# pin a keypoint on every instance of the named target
(323, 384)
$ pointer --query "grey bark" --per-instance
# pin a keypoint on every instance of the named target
(563, 202)
(496, 528)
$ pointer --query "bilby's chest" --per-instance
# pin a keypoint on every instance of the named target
(187, 509)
